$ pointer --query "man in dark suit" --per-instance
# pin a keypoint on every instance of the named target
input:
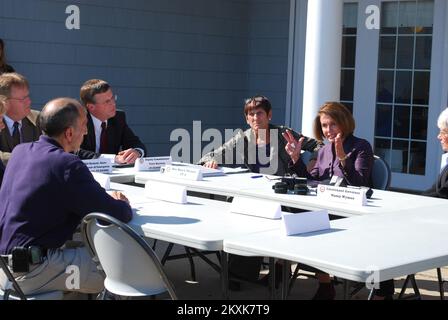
(46, 192)
(19, 119)
(440, 188)
(108, 131)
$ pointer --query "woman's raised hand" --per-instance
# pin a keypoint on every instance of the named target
(339, 148)
(293, 146)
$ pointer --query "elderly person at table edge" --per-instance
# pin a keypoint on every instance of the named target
(346, 156)
(261, 148)
(42, 208)
(440, 188)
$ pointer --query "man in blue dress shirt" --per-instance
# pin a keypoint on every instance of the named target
(45, 194)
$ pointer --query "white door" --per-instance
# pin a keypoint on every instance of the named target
(397, 91)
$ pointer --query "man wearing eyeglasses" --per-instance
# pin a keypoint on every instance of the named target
(19, 120)
(108, 132)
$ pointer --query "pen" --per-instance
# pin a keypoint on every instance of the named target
(258, 176)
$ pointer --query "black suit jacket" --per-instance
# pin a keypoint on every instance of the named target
(119, 137)
(440, 188)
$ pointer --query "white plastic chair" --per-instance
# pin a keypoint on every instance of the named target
(132, 268)
(13, 291)
(381, 174)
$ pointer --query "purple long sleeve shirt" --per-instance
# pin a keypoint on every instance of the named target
(45, 194)
(358, 166)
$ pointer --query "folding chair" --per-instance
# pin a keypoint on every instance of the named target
(132, 268)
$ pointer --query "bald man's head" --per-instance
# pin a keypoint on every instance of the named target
(58, 115)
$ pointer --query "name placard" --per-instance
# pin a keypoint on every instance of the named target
(305, 222)
(353, 196)
(101, 165)
(256, 207)
(152, 163)
(166, 192)
(182, 172)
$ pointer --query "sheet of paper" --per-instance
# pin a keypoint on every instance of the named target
(227, 170)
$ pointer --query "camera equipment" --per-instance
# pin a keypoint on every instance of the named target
(280, 187)
(20, 262)
(293, 184)
(22, 257)
(35, 255)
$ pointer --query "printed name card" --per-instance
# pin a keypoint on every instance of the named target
(256, 207)
(101, 165)
(353, 196)
(305, 222)
(166, 192)
(182, 172)
(102, 179)
(151, 163)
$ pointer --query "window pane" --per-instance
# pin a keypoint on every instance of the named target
(399, 156)
(382, 149)
(347, 84)
(401, 122)
(423, 48)
(419, 123)
(425, 14)
(418, 156)
(349, 105)
(406, 17)
(403, 87)
(348, 52)
(383, 124)
(389, 16)
(350, 19)
(421, 87)
(387, 52)
(405, 52)
(385, 86)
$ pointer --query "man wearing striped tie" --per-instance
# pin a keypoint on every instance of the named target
(108, 132)
(19, 120)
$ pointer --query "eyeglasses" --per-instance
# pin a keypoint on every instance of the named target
(21, 99)
(109, 101)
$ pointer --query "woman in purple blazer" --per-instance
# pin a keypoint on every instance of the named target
(345, 156)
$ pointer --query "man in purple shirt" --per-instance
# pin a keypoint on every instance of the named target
(46, 192)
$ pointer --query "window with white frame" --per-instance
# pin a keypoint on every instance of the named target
(403, 84)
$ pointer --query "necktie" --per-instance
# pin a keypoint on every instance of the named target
(15, 134)
(103, 138)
